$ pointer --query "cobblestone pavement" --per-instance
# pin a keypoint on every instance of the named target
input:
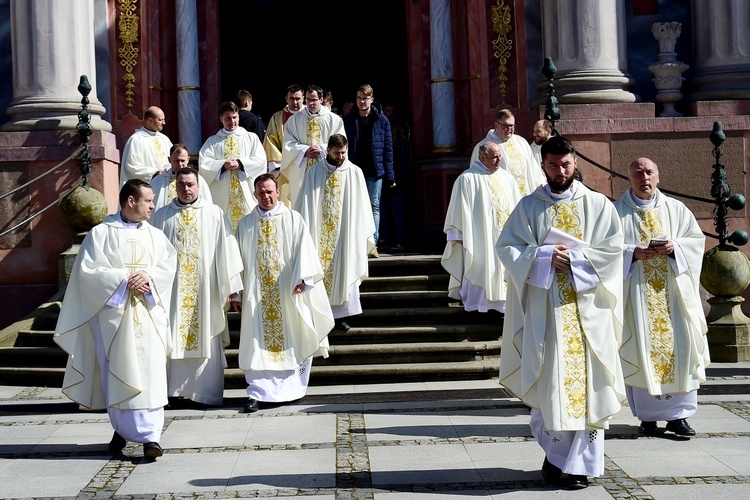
(406, 441)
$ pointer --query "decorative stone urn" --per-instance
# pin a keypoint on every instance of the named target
(668, 70)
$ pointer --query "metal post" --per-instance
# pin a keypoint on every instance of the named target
(722, 194)
(84, 129)
(551, 111)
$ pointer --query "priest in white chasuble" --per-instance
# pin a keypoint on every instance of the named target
(209, 270)
(664, 348)
(481, 201)
(114, 321)
(306, 136)
(165, 183)
(336, 206)
(230, 161)
(562, 249)
(146, 153)
(286, 316)
(518, 159)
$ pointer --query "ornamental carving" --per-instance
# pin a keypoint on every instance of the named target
(128, 25)
(502, 45)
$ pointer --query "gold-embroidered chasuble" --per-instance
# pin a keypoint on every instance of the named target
(172, 187)
(516, 166)
(188, 265)
(330, 221)
(655, 273)
(500, 202)
(158, 149)
(236, 206)
(566, 218)
(313, 137)
(267, 258)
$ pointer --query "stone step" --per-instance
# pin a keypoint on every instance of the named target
(433, 333)
(418, 352)
(405, 299)
(35, 338)
(405, 283)
(32, 376)
(320, 375)
(33, 356)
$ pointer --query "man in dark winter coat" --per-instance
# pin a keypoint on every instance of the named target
(371, 149)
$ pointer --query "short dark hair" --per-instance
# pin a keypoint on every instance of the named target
(228, 106)
(315, 88)
(337, 141)
(558, 145)
(187, 171)
(132, 187)
(263, 178)
(294, 88)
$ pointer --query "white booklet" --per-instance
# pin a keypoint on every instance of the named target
(557, 237)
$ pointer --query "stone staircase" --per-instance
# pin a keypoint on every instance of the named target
(409, 331)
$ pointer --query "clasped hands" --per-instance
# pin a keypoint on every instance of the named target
(138, 281)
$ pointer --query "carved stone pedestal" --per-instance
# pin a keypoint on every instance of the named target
(728, 330)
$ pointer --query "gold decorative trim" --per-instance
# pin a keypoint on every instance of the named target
(187, 87)
(129, 28)
(502, 24)
(442, 80)
(444, 149)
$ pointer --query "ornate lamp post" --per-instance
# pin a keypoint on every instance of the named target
(84, 207)
(726, 270)
(551, 111)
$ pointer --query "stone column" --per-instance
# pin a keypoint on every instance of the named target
(721, 50)
(52, 46)
(586, 40)
(188, 77)
(441, 77)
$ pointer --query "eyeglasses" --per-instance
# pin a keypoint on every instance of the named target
(312, 100)
(506, 126)
(364, 99)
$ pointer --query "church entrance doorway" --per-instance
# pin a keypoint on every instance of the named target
(267, 45)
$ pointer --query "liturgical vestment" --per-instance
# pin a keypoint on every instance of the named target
(562, 329)
(129, 330)
(336, 207)
(664, 348)
(145, 153)
(300, 132)
(481, 202)
(209, 270)
(518, 160)
(280, 331)
(232, 190)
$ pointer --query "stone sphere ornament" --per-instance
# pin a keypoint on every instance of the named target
(83, 209)
(726, 271)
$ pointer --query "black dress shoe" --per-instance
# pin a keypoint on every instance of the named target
(251, 406)
(118, 442)
(550, 473)
(648, 428)
(341, 326)
(152, 450)
(680, 427)
(576, 482)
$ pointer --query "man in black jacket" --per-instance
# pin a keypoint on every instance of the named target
(249, 120)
